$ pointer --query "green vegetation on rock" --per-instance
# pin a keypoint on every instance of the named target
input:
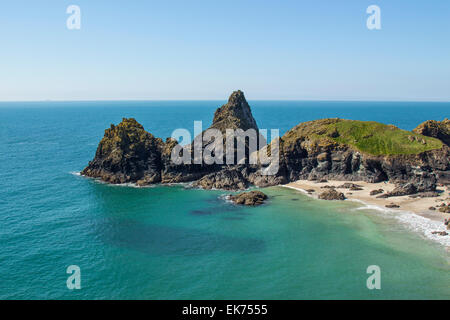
(366, 136)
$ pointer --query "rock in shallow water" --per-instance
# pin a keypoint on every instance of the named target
(252, 198)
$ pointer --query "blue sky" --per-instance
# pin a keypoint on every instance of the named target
(147, 50)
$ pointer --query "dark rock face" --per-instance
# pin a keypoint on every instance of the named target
(403, 190)
(304, 157)
(252, 198)
(227, 179)
(435, 129)
(127, 153)
(332, 194)
(236, 114)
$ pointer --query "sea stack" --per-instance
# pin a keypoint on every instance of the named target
(236, 114)
(334, 149)
(127, 153)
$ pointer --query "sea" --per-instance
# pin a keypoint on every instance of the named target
(176, 242)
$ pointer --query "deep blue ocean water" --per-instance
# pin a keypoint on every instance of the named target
(168, 242)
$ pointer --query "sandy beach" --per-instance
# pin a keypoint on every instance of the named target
(419, 206)
(413, 212)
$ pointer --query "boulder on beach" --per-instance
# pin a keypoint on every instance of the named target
(375, 192)
(392, 206)
(349, 185)
(332, 194)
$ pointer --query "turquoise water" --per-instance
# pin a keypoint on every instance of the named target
(175, 243)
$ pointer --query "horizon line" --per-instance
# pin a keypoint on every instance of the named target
(226, 99)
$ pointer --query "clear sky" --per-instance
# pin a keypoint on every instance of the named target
(193, 49)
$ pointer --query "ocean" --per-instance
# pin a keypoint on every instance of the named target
(171, 242)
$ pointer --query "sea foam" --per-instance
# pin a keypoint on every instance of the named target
(412, 221)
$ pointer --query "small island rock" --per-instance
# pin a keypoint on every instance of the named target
(252, 198)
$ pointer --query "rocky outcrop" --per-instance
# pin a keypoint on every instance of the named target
(435, 129)
(318, 150)
(252, 198)
(339, 149)
(236, 114)
(403, 190)
(127, 153)
(332, 194)
(227, 179)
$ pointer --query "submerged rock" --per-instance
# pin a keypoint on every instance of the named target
(332, 194)
(252, 198)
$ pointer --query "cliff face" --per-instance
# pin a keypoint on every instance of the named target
(368, 151)
(127, 153)
(236, 114)
(328, 148)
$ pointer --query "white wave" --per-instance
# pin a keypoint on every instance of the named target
(75, 173)
(410, 220)
(301, 190)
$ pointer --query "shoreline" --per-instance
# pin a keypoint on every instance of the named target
(413, 212)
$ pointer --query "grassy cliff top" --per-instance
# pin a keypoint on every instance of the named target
(366, 136)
